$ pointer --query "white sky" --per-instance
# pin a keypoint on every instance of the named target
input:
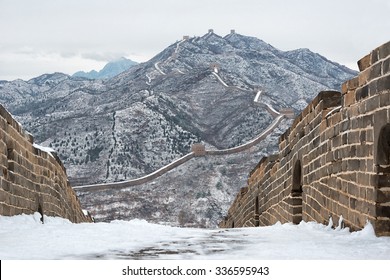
(44, 36)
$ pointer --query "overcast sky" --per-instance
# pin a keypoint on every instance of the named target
(45, 36)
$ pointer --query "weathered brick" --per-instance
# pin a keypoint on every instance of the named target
(382, 195)
(382, 181)
(384, 50)
(383, 210)
(375, 71)
(362, 93)
(344, 87)
(383, 84)
(372, 103)
(353, 83)
(364, 62)
(374, 56)
(364, 77)
(382, 227)
(353, 189)
(386, 66)
(349, 98)
(367, 121)
(384, 99)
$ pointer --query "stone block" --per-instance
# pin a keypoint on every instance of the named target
(367, 121)
(362, 93)
(375, 71)
(382, 195)
(364, 77)
(384, 50)
(383, 84)
(372, 103)
(364, 62)
(386, 66)
(371, 194)
(344, 87)
(349, 98)
(329, 99)
(353, 189)
(372, 87)
(383, 210)
(6, 210)
(353, 83)
(384, 99)
(352, 202)
(382, 181)
(374, 56)
(382, 227)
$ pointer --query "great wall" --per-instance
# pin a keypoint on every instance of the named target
(32, 179)
(333, 164)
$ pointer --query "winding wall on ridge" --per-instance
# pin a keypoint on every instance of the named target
(32, 180)
(333, 162)
(198, 150)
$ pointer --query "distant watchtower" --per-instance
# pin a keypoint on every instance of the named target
(211, 30)
(288, 112)
(232, 31)
(186, 37)
(214, 66)
(198, 149)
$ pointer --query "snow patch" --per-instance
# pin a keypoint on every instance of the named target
(44, 149)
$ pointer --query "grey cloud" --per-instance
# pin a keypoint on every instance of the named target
(105, 57)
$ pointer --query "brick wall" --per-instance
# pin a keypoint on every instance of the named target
(334, 160)
(32, 180)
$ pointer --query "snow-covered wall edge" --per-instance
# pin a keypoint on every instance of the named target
(334, 161)
(31, 178)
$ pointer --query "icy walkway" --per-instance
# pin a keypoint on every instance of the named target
(24, 237)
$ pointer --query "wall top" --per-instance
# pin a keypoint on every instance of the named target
(379, 53)
(11, 121)
(329, 99)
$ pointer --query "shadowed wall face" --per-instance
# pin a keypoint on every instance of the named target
(383, 149)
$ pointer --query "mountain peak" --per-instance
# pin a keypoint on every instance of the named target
(56, 77)
(110, 70)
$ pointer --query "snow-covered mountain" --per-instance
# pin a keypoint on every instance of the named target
(110, 70)
(197, 89)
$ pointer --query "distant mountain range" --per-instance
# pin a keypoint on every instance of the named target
(110, 70)
(199, 89)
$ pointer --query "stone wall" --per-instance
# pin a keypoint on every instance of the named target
(32, 180)
(334, 160)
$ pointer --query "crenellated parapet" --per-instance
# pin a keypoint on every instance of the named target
(333, 162)
(31, 179)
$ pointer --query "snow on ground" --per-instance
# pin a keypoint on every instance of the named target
(24, 237)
